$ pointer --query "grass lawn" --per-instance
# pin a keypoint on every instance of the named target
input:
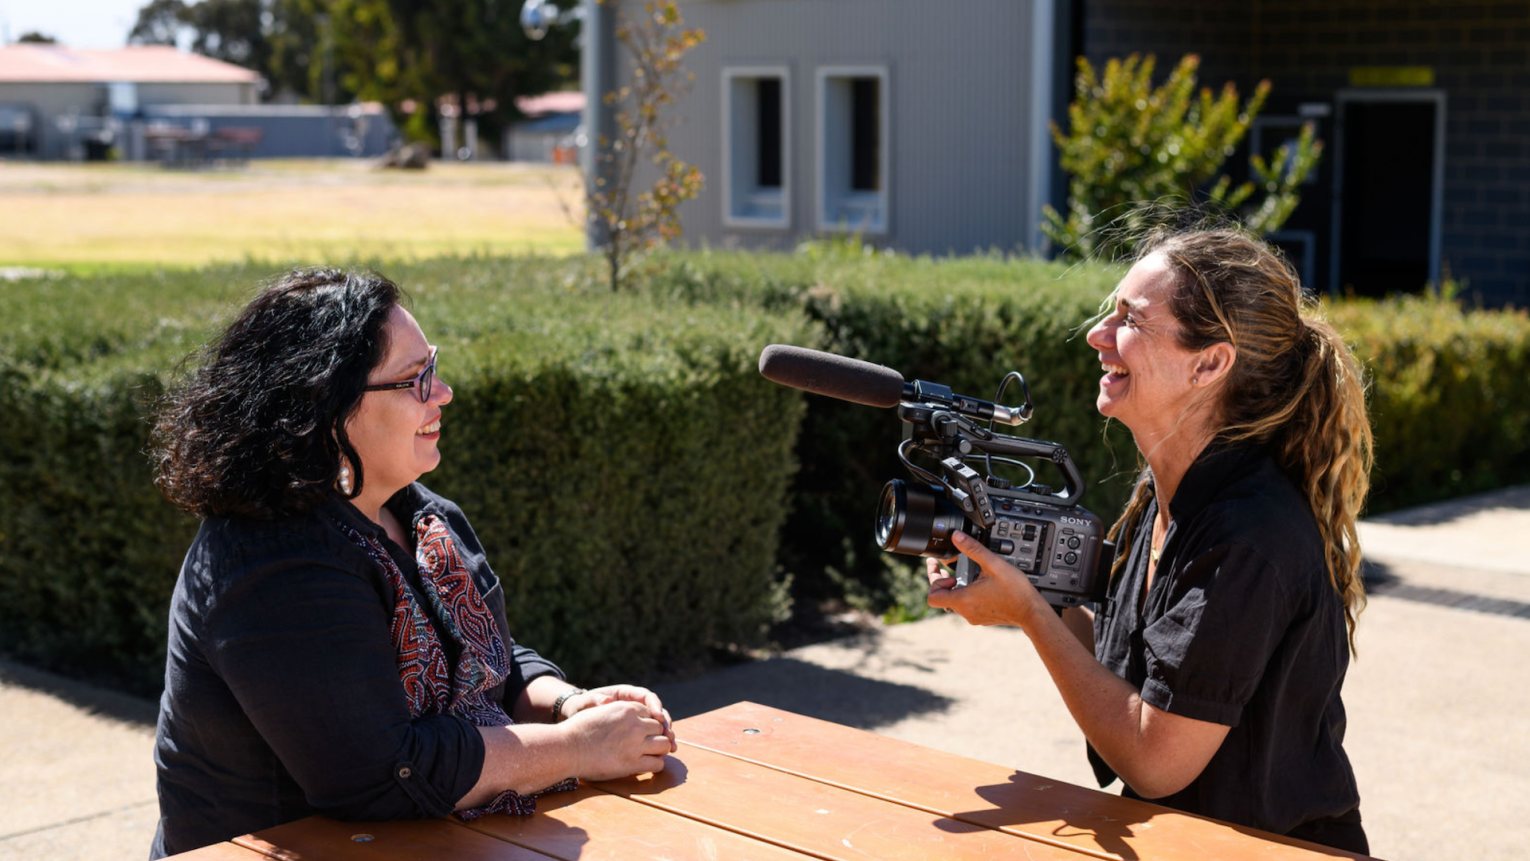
(116, 216)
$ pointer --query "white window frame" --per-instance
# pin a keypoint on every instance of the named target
(830, 204)
(742, 198)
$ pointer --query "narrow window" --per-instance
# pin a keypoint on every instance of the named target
(755, 145)
(769, 122)
(865, 134)
(853, 168)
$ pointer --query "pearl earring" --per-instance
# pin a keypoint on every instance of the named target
(345, 479)
(1195, 381)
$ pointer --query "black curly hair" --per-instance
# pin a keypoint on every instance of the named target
(258, 430)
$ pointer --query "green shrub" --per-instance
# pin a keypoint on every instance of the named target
(621, 458)
(634, 479)
(962, 322)
(1447, 404)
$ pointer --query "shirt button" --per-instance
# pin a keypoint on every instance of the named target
(405, 772)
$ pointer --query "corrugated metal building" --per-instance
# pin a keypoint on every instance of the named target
(920, 126)
(924, 125)
(56, 101)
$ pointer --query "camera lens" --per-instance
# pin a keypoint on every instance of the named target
(917, 520)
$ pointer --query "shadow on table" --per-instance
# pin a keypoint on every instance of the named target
(806, 689)
(1111, 826)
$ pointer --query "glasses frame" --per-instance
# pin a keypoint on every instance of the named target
(422, 381)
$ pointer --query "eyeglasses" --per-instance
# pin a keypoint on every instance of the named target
(422, 382)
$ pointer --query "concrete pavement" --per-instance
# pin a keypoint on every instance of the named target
(1438, 704)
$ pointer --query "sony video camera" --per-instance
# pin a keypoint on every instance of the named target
(1060, 546)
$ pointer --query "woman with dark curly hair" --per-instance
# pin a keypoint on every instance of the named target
(1209, 679)
(338, 642)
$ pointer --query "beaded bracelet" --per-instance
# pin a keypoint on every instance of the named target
(557, 707)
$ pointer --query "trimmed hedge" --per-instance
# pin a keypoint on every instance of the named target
(634, 480)
(621, 459)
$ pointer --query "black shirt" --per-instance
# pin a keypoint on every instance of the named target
(1242, 628)
(282, 694)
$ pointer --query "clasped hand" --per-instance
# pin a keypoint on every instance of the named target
(622, 730)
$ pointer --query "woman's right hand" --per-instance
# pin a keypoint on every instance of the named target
(617, 739)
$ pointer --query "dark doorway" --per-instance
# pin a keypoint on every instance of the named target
(1387, 218)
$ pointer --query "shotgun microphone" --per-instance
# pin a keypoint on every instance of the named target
(832, 375)
(870, 385)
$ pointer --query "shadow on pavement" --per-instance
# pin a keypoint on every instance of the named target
(1435, 514)
(92, 700)
(801, 687)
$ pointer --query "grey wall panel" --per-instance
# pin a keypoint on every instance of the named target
(960, 123)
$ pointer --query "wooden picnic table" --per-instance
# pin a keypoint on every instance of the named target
(754, 782)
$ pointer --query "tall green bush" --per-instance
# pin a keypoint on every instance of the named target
(1136, 153)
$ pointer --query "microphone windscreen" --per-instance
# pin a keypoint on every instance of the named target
(832, 375)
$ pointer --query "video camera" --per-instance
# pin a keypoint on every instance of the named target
(1060, 546)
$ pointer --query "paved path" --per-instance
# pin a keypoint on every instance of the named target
(1439, 704)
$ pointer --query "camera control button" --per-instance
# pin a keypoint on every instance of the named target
(1071, 558)
(1003, 548)
(1073, 542)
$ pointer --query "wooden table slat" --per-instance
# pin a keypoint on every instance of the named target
(591, 825)
(814, 818)
(993, 796)
(222, 852)
(318, 837)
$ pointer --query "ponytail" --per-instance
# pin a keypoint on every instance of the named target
(1295, 387)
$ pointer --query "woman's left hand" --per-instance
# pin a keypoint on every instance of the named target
(623, 693)
(1003, 595)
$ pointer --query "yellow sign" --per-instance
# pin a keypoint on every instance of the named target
(1391, 76)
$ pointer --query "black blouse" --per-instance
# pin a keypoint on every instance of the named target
(1242, 628)
(282, 695)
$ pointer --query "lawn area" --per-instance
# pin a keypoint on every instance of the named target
(110, 216)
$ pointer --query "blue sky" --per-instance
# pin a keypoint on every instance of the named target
(76, 23)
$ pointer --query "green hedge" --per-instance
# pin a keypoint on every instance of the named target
(620, 457)
(1447, 400)
(643, 493)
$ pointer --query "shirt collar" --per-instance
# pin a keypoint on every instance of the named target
(409, 505)
(1218, 465)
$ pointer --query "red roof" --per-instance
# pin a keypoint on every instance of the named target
(136, 63)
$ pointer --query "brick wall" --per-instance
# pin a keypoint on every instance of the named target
(1480, 52)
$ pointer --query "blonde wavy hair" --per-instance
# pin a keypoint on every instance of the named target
(1295, 386)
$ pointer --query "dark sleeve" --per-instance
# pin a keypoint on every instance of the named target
(1205, 656)
(305, 648)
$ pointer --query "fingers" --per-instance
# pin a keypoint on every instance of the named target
(636, 694)
(973, 549)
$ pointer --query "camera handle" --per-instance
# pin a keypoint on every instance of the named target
(943, 433)
(1073, 480)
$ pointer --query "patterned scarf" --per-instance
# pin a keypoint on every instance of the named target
(431, 685)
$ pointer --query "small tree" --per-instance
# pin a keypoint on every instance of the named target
(1130, 148)
(628, 222)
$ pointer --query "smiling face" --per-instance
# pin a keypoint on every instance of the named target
(393, 432)
(1147, 383)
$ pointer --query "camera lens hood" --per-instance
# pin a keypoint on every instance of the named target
(917, 520)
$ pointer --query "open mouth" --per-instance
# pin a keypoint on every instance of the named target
(429, 429)
(1115, 370)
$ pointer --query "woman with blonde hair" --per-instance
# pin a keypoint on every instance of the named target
(1209, 680)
